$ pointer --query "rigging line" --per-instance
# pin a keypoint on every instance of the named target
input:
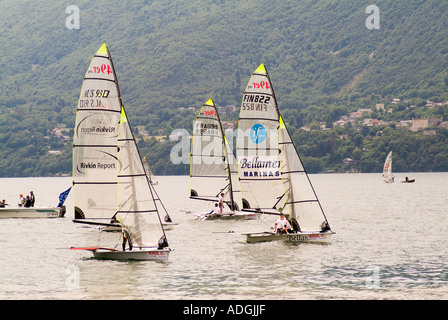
(104, 57)
(135, 211)
(267, 179)
(212, 198)
(163, 206)
(93, 146)
(208, 118)
(193, 176)
(259, 210)
(220, 191)
(259, 93)
(74, 182)
(294, 171)
(262, 119)
(95, 109)
(280, 198)
(204, 156)
(302, 201)
(131, 175)
(103, 79)
(206, 135)
(257, 148)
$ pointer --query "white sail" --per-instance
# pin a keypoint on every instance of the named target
(95, 140)
(257, 144)
(300, 200)
(137, 210)
(271, 173)
(387, 169)
(213, 166)
(109, 178)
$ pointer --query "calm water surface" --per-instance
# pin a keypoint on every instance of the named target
(391, 243)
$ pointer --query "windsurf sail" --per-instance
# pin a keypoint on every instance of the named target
(387, 169)
(213, 167)
(272, 176)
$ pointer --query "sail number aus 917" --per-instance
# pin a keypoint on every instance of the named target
(96, 94)
(103, 69)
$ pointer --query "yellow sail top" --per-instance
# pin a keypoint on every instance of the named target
(261, 69)
(282, 124)
(103, 51)
(123, 117)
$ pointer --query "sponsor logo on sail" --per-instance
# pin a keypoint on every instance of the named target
(91, 165)
(210, 113)
(94, 129)
(257, 133)
(263, 168)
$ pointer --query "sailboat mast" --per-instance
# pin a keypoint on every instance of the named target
(288, 190)
(224, 142)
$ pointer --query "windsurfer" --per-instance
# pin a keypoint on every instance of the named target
(282, 225)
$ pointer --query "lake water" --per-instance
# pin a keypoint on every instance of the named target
(391, 243)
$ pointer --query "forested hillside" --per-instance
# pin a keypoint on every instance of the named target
(321, 57)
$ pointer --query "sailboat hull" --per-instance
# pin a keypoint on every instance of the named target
(117, 227)
(238, 215)
(293, 238)
(135, 254)
(22, 212)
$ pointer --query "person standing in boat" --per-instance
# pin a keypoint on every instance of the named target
(32, 198)
(126, 238)
(221, 201)
(282, 225)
